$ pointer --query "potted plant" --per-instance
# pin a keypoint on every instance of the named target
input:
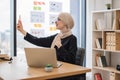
(108, 6)
(48, 67)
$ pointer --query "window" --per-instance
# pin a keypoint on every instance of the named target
(78, 11)
(6, 27)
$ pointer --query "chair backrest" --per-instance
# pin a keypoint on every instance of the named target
(80, 56)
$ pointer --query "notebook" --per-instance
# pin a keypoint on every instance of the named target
(39, 57)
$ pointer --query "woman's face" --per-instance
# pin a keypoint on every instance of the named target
(59, 24)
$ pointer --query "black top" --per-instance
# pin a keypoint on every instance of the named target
(65, 53)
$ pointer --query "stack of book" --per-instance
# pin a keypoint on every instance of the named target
(112, 41)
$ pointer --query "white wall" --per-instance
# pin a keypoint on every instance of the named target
(91, 6)
(116, 3)
(100, 4)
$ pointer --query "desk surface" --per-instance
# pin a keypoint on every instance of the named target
(18, 69)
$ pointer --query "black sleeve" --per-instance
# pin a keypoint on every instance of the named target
(68, 55)
(44, 42)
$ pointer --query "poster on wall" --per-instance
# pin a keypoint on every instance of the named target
(55, 6)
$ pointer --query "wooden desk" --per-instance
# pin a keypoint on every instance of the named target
(18, 69)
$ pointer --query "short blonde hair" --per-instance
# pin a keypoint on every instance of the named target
(67, 19)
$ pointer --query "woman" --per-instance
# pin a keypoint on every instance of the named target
(64, 42)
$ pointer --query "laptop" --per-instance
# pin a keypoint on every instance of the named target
(39, 57)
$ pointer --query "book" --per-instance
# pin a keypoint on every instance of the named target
(99, 43)
(109, 21)
(100, 62)
(119, 23)
(112, 76)
(97, 60)
(114, 24)
(4, 56)
(100, 24)
(97, 76)
(108, 40)
(103, 61)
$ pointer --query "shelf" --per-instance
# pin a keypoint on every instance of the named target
(104, 11)
(97, 30)
(95, 49)
(106, 26)
(110, 69)
(106, 31)
(112, 51)
(117, 31)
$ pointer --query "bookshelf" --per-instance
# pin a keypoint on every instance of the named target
(106, 42)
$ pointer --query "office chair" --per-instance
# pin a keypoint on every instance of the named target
(80, 56)
(79, 61)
